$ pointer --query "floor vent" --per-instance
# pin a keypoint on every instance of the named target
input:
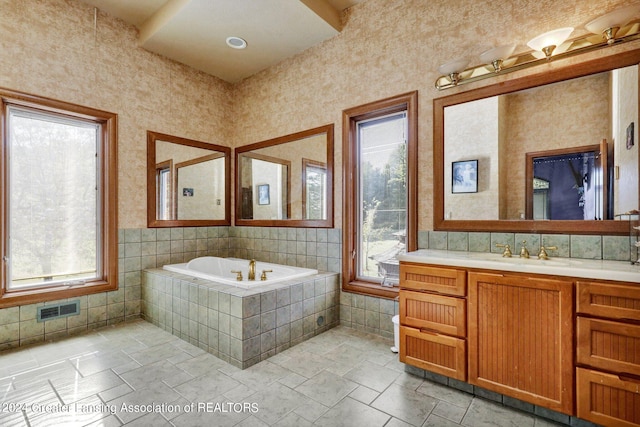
(49, 312)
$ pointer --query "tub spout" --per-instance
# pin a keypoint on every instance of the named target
(252, 269)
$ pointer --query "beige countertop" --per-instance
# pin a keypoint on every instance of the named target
(571, 267)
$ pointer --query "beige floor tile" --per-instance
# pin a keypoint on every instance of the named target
(261, 375)
(448, 394)
(84, 387)
(326, 388)
(201, 364)
(148, 376)
(373, 376)
(405, 404)
(436, 421)
(207, 387)
(311, 411)
(100, 361)
(449, 411)
(350, 413)
(292, 380)
(252, 421)
(342, 377)
(364, 394)
(292, 420)
(483, 413)
(276, 402)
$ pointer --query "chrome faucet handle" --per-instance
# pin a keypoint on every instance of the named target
(543, 251)
(238, 275)
(524, 252)
(263, 276)
(507, 250)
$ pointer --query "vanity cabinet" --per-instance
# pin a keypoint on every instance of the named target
(608, 353)
(433, 319)
(521, 338)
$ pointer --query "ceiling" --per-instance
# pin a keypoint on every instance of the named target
(194, 32)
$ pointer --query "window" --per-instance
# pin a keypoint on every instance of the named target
(314, 189)
(164, 186)
(380, 158)
(59, 200)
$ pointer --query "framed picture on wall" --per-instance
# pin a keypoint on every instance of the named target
(464, 177)
(263, 194)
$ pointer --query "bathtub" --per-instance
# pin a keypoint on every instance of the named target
(219, 270)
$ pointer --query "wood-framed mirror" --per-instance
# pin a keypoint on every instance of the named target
(188, 182)
(489, 124)
(286, 181)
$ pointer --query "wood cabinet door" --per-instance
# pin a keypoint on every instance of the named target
(436, 312)
(448, 281)
(520, 336)
(608, 399)
(614, 301)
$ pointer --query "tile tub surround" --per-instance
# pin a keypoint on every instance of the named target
(240, 326)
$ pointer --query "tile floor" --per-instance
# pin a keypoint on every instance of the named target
(139, 375)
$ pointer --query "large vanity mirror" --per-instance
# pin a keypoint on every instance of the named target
(188, 182)
(556, 152)
(286, 181)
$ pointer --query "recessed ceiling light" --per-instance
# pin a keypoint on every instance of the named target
(236, 42)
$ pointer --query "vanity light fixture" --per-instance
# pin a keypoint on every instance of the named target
(617, 27)
(497, 55)
(609, 24)
(548, 41)
(236, 42)
(453, 69)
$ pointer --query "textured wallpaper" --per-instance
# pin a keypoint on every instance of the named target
(387, 47)
(56, 51)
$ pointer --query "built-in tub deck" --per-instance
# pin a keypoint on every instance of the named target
(240, 326)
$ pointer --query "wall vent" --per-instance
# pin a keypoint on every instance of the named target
(65, 309)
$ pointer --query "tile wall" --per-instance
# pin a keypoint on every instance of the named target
(140, 249)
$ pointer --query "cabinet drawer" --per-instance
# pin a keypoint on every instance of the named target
(607, 399)
(607, 345)
(608, 300)
(447, 281)
(434, 352)
(435, 312)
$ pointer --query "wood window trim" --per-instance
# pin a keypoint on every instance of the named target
(166, 165)
(277, 161)
(109, 201)
(408, 102)
(529, 175)
(306, 163)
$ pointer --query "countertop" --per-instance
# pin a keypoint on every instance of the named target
(570, 267)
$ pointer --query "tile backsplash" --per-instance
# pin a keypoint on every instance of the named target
(140, 249)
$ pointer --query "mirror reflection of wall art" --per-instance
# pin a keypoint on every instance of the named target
(630, 136)
(263, 194)
(464, 177)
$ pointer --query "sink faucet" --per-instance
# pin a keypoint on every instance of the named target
(252, 269)
(524, 252)
(543, 253)
(507, 250)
